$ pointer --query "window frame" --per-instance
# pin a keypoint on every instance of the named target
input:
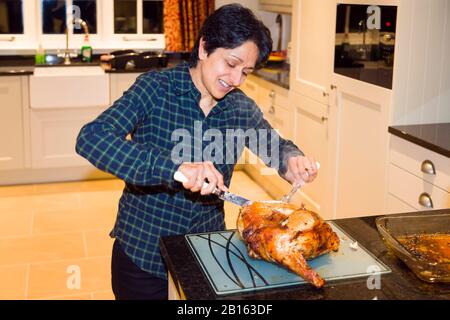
(139, 35)
(104, 40)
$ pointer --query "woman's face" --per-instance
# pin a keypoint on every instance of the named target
(225, 69)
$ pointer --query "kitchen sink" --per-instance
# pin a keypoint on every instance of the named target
(69, 87)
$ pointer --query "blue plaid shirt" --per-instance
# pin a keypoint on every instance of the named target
(153, 204)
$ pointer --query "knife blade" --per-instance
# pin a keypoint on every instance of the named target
(223, 195)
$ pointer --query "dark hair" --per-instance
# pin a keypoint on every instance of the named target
(229, 27)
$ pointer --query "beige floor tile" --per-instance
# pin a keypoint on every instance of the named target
(14, 224)
(99, 243)
(17, 190)
(73, 220)
(13, 282)
(101, 199)
(17, 204)
(55, 202)
(94, 275)
(104, 295)
(58, 188)
(103, 185)
(41, 248)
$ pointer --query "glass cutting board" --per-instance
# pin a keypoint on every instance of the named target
(224, 260)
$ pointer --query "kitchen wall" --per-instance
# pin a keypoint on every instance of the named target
(423, 54)
(269, 20)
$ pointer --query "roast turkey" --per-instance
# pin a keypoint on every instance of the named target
(288, 235)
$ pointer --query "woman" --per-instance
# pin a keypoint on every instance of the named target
(231, 44)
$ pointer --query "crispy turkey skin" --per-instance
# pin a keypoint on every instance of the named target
(286, 234)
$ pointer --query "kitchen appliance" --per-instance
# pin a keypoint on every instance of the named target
(393, 227)
(365, 43)
(223, 259)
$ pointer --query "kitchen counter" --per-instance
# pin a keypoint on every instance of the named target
(434, 137)
(401, 283)
(278, 75)
(24, 65)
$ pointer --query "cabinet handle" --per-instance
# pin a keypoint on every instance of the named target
(428, 167)
(271, 110)
(324, 119)
(425, 200)
(332, 87)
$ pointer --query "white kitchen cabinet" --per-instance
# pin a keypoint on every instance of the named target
(341, 121)
(11, 123)
(312, 135)
(54, 134)
(313, 26)
(362, 120)
(418, 177)
(273, 101)
(121, 82)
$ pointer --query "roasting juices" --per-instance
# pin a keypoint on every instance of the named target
(433, 248)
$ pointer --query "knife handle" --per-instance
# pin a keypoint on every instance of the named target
(180, 177)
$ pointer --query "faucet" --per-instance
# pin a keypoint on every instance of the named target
(362, 28)
(86, 32)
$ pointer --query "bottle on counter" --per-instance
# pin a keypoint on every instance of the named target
(40, 55)
(86, 50)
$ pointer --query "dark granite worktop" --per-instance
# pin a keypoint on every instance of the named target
(434, 137)
(276, 74)
(24, 65)
(401, 283)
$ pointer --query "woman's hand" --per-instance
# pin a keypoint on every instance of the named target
(301, 168)
(200, 172)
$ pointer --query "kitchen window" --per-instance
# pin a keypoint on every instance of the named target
(138, 16)
(11, 17)
(55, 15)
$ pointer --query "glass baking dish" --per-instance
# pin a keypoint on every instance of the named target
(392, 228)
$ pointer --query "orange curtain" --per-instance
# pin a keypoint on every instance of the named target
(182, 22)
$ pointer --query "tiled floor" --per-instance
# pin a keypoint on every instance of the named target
(54, 241)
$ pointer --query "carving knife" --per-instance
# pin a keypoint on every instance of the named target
(224, 195)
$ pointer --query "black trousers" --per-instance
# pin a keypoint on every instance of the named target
(129, 282)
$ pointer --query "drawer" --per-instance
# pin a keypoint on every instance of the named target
(408, 188)
(410, 157)
(396, 205)
(272, 95)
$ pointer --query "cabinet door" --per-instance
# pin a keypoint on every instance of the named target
(313, 30)
(362, 146)
(312, 135)
(54, 134)
(121, 82)
(11, 124)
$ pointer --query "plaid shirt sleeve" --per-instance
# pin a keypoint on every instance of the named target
(103, 141)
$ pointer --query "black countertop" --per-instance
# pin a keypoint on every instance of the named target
(401, 283)
(276, 74)
(24, 65)
(434, 137)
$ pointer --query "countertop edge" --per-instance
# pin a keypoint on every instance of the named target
(418, 141)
